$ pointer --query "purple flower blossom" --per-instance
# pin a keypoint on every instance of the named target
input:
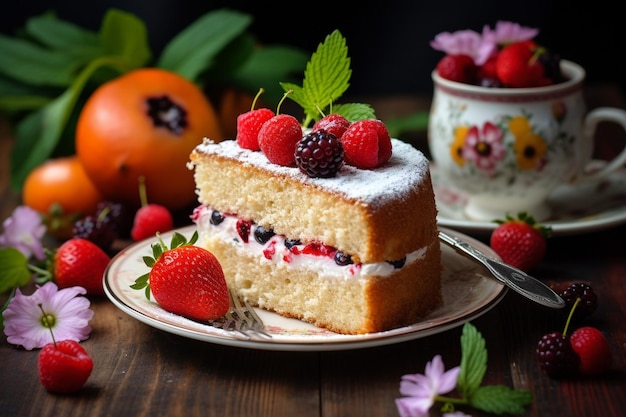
(422, 390)
(64, 314)
(482, 46)
(507, 33)
(23, 230)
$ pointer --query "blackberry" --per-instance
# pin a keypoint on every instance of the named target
(556, 355)
(262, 235)
(342, 259)
(118, 214)
(552, 66)
(588, 299)
(216, 218)
(97, 230)
(319, 154)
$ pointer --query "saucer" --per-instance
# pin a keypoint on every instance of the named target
(576, 209)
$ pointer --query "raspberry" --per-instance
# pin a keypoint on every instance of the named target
(64, 366)
(278, 138)
(248, 126)
(588, 299)
(333, 123)
(149, 220)
(556, 355)
(460, 68)
(593, 349)
(319, 154)
(367, 144)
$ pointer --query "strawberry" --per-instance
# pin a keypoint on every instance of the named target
(518, 65)
(366, 144)
(593, 349)
(78, 262)
(150, 220)
(333, 123)
(520, 242)
(185, 279)
(64, 366)
(278, 138)
(460, 68)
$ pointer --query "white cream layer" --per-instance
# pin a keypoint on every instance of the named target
(274, 250)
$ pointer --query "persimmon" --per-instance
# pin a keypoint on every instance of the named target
(145, 123)
(62, 192)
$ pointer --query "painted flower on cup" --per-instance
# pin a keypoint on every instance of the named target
(29, 319)
(483, 147)
(530, 148)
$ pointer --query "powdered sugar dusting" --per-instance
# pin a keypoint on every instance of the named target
(406, 168)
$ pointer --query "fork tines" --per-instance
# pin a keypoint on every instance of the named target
(241, 318)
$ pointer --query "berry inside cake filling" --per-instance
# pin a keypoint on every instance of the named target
(292, 252)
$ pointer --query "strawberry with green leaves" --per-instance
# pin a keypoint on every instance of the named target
(521, 241)
(185, 279)
(77, 262)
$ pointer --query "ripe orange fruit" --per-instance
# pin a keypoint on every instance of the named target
(145, 123)
(61, 191)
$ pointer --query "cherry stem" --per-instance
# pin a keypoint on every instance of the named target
(281, 101)
(571, 314)
(261, 91)
(143, 195)
(47, 323)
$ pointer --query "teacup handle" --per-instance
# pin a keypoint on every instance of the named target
(604, 114)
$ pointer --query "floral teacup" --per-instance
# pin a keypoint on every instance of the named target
(507, 149)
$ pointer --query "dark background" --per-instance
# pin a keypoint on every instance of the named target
(388, 40)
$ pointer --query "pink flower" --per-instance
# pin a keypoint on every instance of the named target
(482, 46)
(507, 33)
(466, 42)
(23, 230)
(29, 321)
(421, 391)
(485, 147)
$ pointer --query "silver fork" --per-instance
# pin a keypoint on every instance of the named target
(242, 319)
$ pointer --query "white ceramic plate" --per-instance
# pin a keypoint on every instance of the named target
(467, 293)
(583, 208)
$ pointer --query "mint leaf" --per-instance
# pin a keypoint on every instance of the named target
(498, 399)
(326, 78)
(473, 360)
(354, 111)
(193, 50)
(13, 269)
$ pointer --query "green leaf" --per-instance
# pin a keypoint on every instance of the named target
(498, 399)
(266, 67)
(194, 238)
(13, 269)
(141, 282)
(123, 34)
(414, 122)
(64, 37)
(326, 78)
(473, 360)
(35, 65)
(149, 261)
(192, 51)
(39, 133)
(354, 111)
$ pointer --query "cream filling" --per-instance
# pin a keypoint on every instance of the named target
(274, 250)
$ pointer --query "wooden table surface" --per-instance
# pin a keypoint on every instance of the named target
(143, 371)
